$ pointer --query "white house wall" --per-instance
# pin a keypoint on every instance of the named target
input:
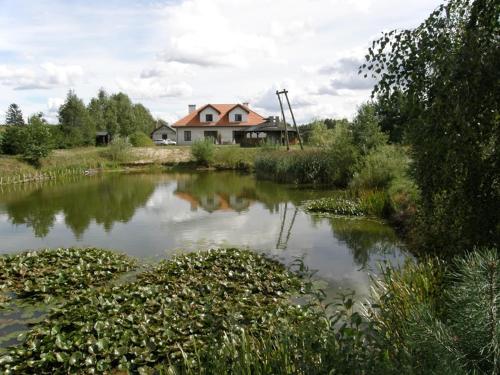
(209, 110)
(225, 133)
(238, 111)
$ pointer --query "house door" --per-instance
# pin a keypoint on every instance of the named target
(211, 134)
(238, 136)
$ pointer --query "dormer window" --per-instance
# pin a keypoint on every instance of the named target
(209, 117)
(238, 117)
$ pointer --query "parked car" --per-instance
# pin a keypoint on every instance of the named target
(164, 142)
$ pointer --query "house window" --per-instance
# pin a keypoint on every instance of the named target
(187, 135)
(209, 117)
(238, 117)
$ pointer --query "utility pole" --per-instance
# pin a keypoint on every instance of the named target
(285, 92)
(284, 121)
(293, 118)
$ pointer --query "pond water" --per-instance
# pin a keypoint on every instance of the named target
(153, 216)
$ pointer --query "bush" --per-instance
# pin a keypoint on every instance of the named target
(203, 151)
(140, 139)
(37, 143)
(380, 167)
(118, 150)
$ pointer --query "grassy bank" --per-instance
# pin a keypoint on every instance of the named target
(235, 311)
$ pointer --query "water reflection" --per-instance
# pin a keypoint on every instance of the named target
(103, 200)
(155, 215)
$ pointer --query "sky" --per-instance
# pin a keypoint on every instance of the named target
(171, 53)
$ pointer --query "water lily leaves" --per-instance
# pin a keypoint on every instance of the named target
(336, 206)
(44, 274)
(171, 314)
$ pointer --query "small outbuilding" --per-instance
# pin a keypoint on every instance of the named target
(163, 132)
(102, 138)
(272, 131)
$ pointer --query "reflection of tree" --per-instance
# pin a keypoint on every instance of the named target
(105, 200)
(364, 237)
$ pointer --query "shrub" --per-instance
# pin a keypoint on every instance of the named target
(118, 150)
(380, 167)
(320, 135)
(140, 139)
(37, 143)
(203, 151)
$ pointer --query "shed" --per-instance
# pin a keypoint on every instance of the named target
(102, 138)
(163, 131)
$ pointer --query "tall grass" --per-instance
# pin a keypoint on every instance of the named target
(302, 167)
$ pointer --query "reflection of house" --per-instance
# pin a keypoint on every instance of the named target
(215, 202)
(163, 131)
(224, 123)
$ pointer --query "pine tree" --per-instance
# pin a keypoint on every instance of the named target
(14, 115)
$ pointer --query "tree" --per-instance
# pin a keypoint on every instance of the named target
(447, 71)
(320, 135)
(143, 119)
(14, 115)
(76, 122)
(97, 109)
(366, 129)
(125, 114)
(37, 143)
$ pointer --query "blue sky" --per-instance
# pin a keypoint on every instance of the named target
(168, 54)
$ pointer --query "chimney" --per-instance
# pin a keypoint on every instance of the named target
(191, 108)
(246, 104)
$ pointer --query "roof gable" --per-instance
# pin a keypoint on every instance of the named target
(193, 118)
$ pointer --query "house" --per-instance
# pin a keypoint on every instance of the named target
(163, 131)
(223, 123)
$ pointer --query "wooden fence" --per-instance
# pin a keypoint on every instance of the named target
(40, 176)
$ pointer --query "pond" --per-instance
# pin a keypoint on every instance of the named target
(153, 216)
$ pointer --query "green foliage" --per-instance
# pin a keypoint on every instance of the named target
(367, 135)
(394, 116)
(320, 135)
(14, 115)
(442, 319)
(76, 123)
(37, 143)
(376, 203)
(446, 69)
(380, 167)
(118, 150)
(13, 139)
(43, 274)
(173, 313)
(234, 157)
(139, 139)
(203, 151)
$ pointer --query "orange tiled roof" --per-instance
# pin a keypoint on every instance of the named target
(193, 119)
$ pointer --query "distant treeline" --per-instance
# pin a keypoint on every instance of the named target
(78, 123)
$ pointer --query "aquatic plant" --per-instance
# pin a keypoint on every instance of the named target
(335, 205)
(50, 273)
(173, 313)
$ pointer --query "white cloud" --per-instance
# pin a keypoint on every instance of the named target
(46, 76)
(53, 104)
(150, 88)
(170, 69)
